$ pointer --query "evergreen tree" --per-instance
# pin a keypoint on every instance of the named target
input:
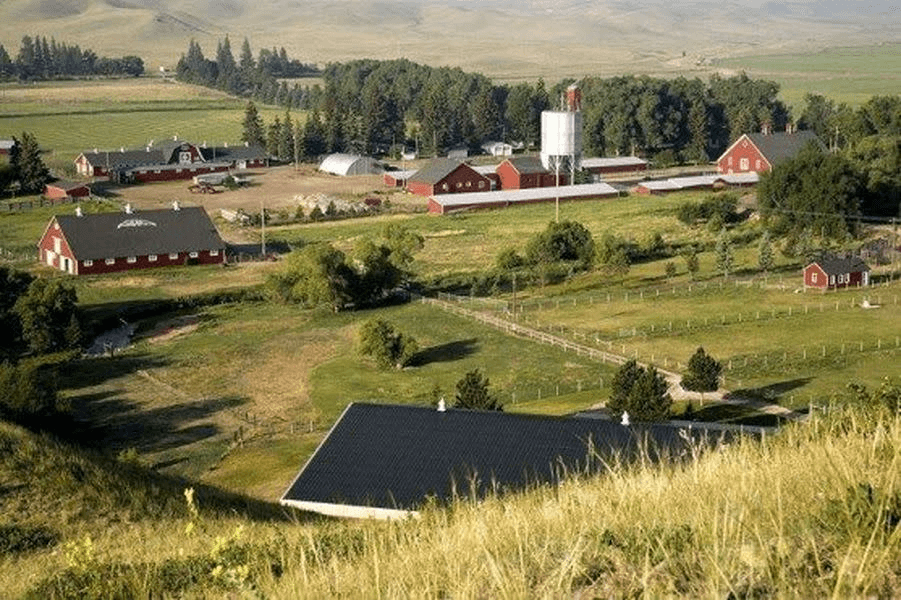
(28, 165)
(692, 263)
(473, 393)
(703, 373)
(253, 126)
(273, 138)
(640, 392)
(765, 257)
(286, 138)
(724, 256)
(7, 68)
(247, 62)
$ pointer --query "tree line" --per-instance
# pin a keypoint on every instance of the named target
(255, 78)
(39, 59)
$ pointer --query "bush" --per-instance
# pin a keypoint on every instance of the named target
(566, 241)
(717, 207)
(389, 347)
(473, 393)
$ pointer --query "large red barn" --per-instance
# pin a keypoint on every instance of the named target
(447, 176)
(168, 161)
(760, 152)
(83, 244)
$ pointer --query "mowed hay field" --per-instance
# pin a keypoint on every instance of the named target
(847, 74)
(68, 118)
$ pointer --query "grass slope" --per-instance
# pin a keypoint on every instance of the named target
(813, 511)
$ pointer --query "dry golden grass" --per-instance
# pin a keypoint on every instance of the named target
(111, 92)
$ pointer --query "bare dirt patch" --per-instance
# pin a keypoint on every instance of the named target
(172, 328)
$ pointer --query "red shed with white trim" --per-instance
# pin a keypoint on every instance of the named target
(832, 272)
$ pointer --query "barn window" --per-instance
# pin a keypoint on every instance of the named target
(444, 187)
(193, 255)
(214, 253)
(173, 255)
(89, 263)
(757, 165)
(468, 184)
(730, 160)
(832, 280)
(813, 278)
(459, 184)
(151, 257)
(57, 245)
(481, 184)
(743, 165)
(155, 171)
(132, 260)
(110, 261)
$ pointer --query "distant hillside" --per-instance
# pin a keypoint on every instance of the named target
(501, 38)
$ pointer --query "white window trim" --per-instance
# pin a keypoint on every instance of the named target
(193, 254)
(173, 255)
(813, 278)
(151, 257)
(88, 263)
(214, 253)
(110, 261)
(131, 260)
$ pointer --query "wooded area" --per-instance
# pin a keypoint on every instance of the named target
(40, 59)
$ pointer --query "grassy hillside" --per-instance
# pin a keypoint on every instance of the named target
(813, 511)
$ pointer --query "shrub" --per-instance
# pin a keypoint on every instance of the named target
(473, 393)
(389, 347)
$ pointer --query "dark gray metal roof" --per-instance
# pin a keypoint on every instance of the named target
(162, 231)
(780, 146)
(233, 153)
(395, 457)
(437, 170)
(835, 265)
(527, 165)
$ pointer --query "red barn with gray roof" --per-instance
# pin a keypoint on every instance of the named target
(760, 152)
(523, 172)
(447, 176)
(82, 244)
(832, 272)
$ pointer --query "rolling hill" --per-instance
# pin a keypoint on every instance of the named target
(502, 38)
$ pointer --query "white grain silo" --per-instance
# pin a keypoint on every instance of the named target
(561, 135)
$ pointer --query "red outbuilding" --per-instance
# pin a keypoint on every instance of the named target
(760, 152)
(447, 176)
(831, 272)
(83, 244)
(59, 190)
(524, 172)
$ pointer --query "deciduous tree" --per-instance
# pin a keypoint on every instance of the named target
(386, 345)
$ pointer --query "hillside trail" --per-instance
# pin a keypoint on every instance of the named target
(677, 392)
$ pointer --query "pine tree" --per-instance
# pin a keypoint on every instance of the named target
(703, 373)
(253, 126)
(724, 256)
(473, 393)
(765, 258)
(641, 392)
(273, 136)
(247, 63)
(28, 165)
(286, 138)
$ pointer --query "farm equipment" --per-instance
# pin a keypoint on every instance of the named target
(203, 188)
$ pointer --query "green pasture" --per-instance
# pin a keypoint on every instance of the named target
(470, 242)
(267, 380)
(764, 334)
(850, 74)
(68, 118)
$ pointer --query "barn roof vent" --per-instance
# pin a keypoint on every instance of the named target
(226, 144)
(175, 138)
(442, 407)
(176, 205)
(247, 144)
(625, 420)
(122, 149)
(128, 209)
(78, 211)
(96, 151)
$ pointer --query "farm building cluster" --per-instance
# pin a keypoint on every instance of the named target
(168, 161)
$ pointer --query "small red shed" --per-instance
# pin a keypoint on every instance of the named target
(832, 272)
(59, 190)
(524, 172)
